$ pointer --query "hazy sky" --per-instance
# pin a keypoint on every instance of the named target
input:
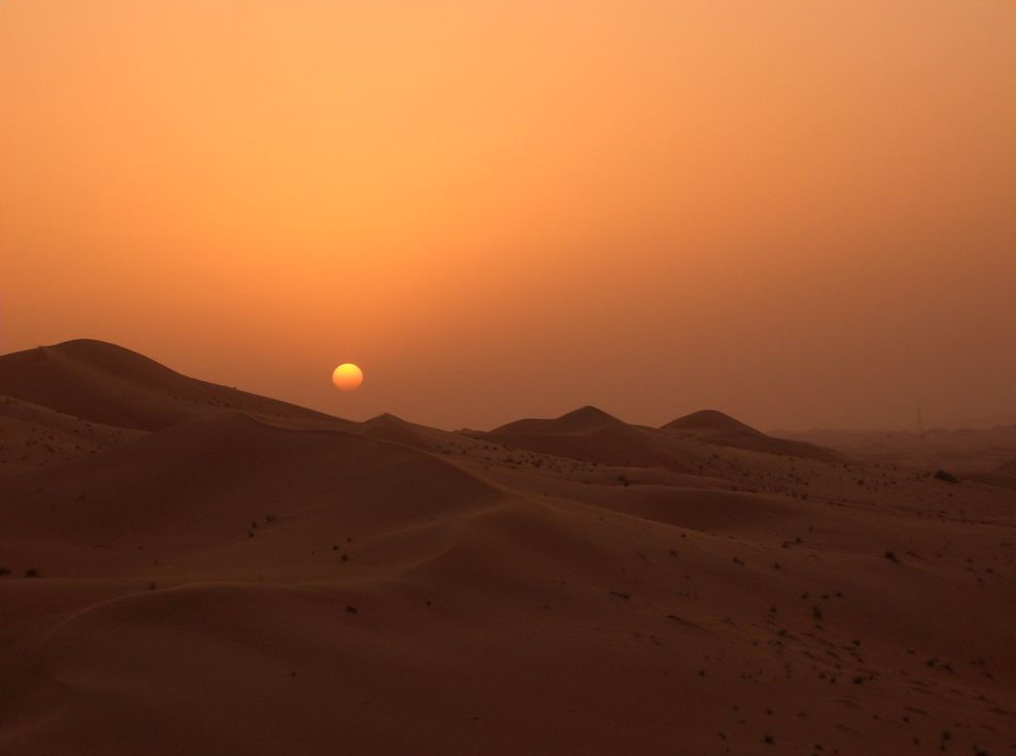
(799, 213)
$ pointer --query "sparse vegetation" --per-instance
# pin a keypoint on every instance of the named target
(764, 634)
(948, 477)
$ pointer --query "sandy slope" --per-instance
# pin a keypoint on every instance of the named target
(34, 436)
(239, 583)
(105, 383)
(718, 428)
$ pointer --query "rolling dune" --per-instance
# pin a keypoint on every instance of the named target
(105, 383)
(261, 579)
(717, 428)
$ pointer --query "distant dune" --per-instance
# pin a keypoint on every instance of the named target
(723, 430)
(396, 430)
(964, 450)
(591, 434)
(583, 420)
(191, 569)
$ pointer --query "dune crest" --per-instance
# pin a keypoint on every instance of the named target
(715, 427)
(105, 383)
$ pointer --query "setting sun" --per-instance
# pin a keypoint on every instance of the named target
(347, 377)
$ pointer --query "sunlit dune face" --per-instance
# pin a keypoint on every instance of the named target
(347, 377)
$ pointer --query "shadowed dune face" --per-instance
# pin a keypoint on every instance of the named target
(710, 421)
(207, 483)
(583, 420)
(723, 430)
(593, 435)
(258, 579)
(34, 436)
(105, 383)
(611, 444)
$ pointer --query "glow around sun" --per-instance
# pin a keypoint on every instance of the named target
(347, 377)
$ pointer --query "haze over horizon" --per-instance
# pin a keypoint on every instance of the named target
(644, 286)
(799, 214)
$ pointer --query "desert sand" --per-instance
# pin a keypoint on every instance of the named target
(191, 569)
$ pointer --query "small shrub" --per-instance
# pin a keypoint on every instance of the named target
(948, 477)
(4, 571)
(892, 557)
(31, 572)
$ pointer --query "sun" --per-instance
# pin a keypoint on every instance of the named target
(347, 377)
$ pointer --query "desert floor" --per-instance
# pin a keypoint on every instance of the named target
(190, 569)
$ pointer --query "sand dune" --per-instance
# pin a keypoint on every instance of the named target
(259, 579)
(583, 420)
(105, 383)
(223, 482)
(591, 435)
(723, 430)
(35, 436)
(396, 430)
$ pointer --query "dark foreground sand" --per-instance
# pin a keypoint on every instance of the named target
(219, 573)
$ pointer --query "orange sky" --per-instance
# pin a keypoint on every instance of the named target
(799, 213)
